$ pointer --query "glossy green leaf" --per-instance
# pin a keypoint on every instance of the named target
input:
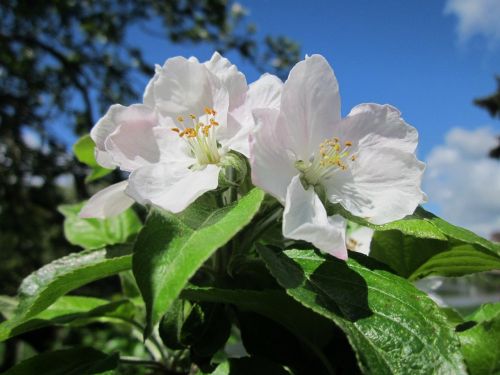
(44, 286)
(97, 233)
(423, 224)
(404, 253)
(480, 344)
(171, 248)
(393, 327)
(75, 361)
(68, 309)
(459, 261)
(84, 152)
(170, 328)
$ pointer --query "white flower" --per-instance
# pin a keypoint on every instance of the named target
(359, 239)
(175, 143)
(304, 154)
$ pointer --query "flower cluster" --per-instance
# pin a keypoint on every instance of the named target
(196, 117)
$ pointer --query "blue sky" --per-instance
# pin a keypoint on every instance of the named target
(405, 53)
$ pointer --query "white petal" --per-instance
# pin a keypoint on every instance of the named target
(272, 163)
(107, 202)
(172, 189)
(374, 125)
(360, 239)
(149, 92)
(136, 117)
(185, 87)
(264, 93)
(173, 149)
(310, 103)
(305, 219)
(381, 185)
(133, 144)
(231, 78)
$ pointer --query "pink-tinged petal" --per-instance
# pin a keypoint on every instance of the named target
(172, 189)
(381, 185)
(374, 125)
(310, 103)
(264, 93)
(305, 218)
(133, 145)
(234, 81)
(108, 202)
(272, 163)
(122, 120)
(184, 87)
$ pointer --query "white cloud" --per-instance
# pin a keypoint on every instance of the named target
(464, 182)
(476, 18)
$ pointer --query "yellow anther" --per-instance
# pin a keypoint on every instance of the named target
(192, 116)
(213, 122)
(348, 143)
(177, 130)
(180, 118)
(208, 111)
(335, 139)
(353, 157)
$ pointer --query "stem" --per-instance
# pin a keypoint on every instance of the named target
(144, 362)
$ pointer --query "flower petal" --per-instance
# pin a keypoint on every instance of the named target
(124, 123)
(310, 103)
(234, 81)
(172, 189)
(263, 93)
(182, 87)
(382, 185)
(305, 219)
(108, 202)
(133, 144)
(359, 240)
(272, 163)
(375, 125)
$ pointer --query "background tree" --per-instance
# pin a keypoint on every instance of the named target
(63, 63)
(492, 104)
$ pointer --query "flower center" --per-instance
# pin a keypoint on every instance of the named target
(201, 137)
(333, 156)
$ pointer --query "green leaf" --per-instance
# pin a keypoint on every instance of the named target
(170, 249)
(403, 253)
(84, 152)
(393, 327)
(485, 312)
(415, 225)
(423, 224)
(459, 261)
(170, 328)
(275, 305)
(7, 306)
(313, 330)
(96, 233)
(480, 343)
(68, 309)
(44, 286)
(75, 361)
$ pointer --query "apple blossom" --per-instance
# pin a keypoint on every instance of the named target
(176, 143)
(307, 157)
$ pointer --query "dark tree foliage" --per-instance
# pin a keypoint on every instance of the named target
(63, 62)
(492, 104)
